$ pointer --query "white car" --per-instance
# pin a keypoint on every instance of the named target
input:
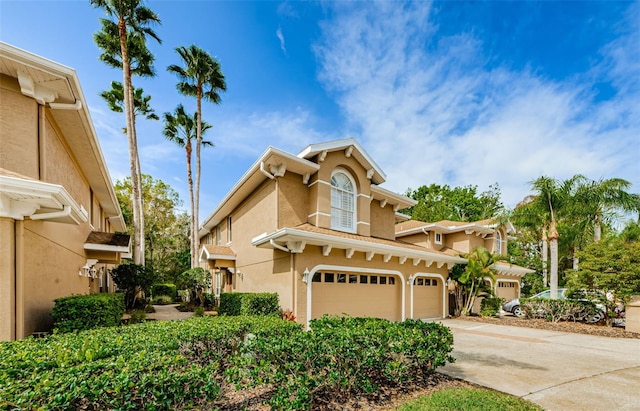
(513, 306)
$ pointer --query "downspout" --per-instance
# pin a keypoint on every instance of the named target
(19, 281)
(294, 286)
(265, 172)
(65, 212)
(278, 246)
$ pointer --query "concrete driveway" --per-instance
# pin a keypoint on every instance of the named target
(556, 370)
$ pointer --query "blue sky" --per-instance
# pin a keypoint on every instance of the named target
(454, 93)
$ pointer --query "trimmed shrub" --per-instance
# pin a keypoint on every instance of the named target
(209, 300)
(490, 306)
(162, 300)
(249, 304)
(230, 303)
(83, 312)
(556, 310)
(165, 289)
(154, 365)
(138, 316)
(343, 357)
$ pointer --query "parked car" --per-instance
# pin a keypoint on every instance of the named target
(513, 306)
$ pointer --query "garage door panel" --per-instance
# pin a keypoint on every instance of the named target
(357, 299)
(427, 298)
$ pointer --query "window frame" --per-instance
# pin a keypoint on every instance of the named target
(335, 224)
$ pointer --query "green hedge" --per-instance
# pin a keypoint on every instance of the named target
(165, 289)
(490, 306)
(343, 357)
(83, 312)
(249, 304)
(153, 365)
(182, 365)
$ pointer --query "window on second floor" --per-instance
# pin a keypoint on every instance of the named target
(437, 238)
(218, 236)
(229, 233)
(343, 202)
(498, 243)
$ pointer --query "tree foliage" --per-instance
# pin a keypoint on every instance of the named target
(436, 202)
(123, 41)
(196, 280)
(132, 279)
(202, 78)
(166, 228)
(471, 280)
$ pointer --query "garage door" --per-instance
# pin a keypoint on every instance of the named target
(507, 290)
(358, 295)
(427, 298)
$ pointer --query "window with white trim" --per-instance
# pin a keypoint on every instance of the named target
(438, 238)
(498, 242)
(218, 237)
(343, 202)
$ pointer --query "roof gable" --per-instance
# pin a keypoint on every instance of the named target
(351, 148)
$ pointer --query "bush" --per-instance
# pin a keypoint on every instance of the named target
(343, 357)
(154, 365)
(165, 289)
(137, 316)
(249, 304)
(490, 306)
(83, 312)
(209, 301)
(556, 310)
(162, 300)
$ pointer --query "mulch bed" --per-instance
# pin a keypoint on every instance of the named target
(563, 326)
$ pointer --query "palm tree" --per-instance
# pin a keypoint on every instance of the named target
(180, 128)
(597, 202)
(123, 41)
(141, 103)
(478, 270)
(200, 78)
(551, 200)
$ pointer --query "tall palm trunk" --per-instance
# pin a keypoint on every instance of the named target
(196, 196)
(597, 228)
(134, 159)
(193, 228)
(545, 256)
(553, 248)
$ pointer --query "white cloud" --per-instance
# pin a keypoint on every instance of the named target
(280, 37)
(429, 111)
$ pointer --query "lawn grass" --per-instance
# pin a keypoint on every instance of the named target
(465, 399)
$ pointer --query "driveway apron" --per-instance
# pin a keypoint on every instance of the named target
(556, 370)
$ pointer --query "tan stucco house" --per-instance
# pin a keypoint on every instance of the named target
(58, 211)
(319, 229)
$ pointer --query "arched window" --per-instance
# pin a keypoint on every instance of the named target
(343, 202)
(498, 242)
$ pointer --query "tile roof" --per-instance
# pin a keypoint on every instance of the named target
(219, 250)
(113, 239)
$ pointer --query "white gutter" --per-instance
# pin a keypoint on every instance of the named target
(65, 212)
(62, 106)
(265, 172)
(278, 246)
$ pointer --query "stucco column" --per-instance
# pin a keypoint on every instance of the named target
(7, 280)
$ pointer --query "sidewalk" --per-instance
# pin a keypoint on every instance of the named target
(168, 313)
(556, 370)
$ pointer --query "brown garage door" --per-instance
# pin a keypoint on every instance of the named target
(427, 298)
(358, 295)
(507, 290)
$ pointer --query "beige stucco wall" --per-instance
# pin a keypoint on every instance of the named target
(293, 200)
(40, 259)
(18, 130)
(462, 242)
(7, 279)
(383, 220)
